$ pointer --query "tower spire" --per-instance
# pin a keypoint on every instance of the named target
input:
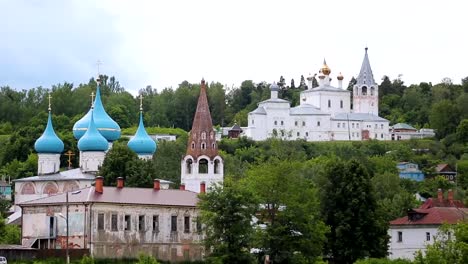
(49, 108)
(202, 139)
(365, 75)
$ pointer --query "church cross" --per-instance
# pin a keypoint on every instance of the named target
(50, 97)
(92, 99)
(69, 154)
(141, 102)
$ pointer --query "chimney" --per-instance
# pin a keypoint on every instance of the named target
(440, 195)
(120, 182)
(182, 187)
(98, 186)
(156, 185)
(450, 195)
(202, 187)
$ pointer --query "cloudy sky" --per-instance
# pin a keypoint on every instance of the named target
(162, 43)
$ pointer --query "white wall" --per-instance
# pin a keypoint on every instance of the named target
(414, 239)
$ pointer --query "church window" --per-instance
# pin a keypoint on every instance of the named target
(193, 145)
(188, 164)
(375, 126)
(282, 123)
(357, 125)
(211, 135)
(352, 134)
(114, 222)
(155, 223)
(329, 103)
(213, 145)
(381, 135)
(344, 125)
(428, 236)
(100, 221)
(276, 122)
(381, 126)
(303, 123)
(203, 166)
(307, 134)
(203, 145)
(295, 123)
(341, 104)
(187, 224)
(52, 226)
(372, 104)
(203, 135)
(141, 223)
(372, 91)
(50, 188)
(364, 90)
(298, 134)
(352, 125)
(338, 125)
(375, 135)
(216, 166)
(318, 123)
(400, 236)
(357, 134)
(282, 133)
(174, 223)
(253, 122)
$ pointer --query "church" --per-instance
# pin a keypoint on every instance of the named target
(324, 112)
(73, 209)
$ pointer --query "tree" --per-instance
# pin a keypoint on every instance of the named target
(350, 209)
(226, 213)
(290, 209)
(9, 234)
(444, 118)
(120, 161)
(462, 131)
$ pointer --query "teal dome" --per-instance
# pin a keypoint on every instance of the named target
(142, 143)
(49, 142)
(92, 140)
(104, 123)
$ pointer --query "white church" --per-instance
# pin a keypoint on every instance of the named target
(324, 112)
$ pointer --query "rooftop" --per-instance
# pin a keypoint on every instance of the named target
(68, 175)
(359, 117)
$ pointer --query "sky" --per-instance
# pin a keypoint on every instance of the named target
(162, 43)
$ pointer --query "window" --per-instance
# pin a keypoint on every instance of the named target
(199, 225)
(375, 135)
(203, 145)
(282, 123)
(174, 223)
(381, 135)
(364, 90)
(303, 123)
(298, 134)
(352, 134)
(375, 126)
(338, 125)
(128, 223)
(155, 223)
(329, 103)
(216, 166)
(189, 166)
(295, 123)
(318, 123)
(193, 145)
(276, 123)
(186, 224)
(400, 236)
(372, 91)
(114, 222)
(344, 125)
(357, 134)
(381, 126)
(203, 135)
(253, 122)
(428, 236)
(352, 125)
(213, 145)
(307, 134)
(141, 223)
(341, 104)
(203, 166)
(100, 222)
(357, 125)
(52, 226)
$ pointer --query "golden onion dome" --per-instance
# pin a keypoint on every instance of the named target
(325, 69)
(340, 77)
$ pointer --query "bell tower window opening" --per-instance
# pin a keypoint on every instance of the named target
(203, 145)
(203, 166)
(329, 103)
(364, 90)
(203, 135)
(372, 91)
(216, 166)
(188, 165)
(193, 145)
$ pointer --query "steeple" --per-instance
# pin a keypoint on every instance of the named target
(142, 144)
(365, 75)
(48, 146)
(202, 166)
(202, 140)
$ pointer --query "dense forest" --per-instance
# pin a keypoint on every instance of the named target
(304, 176)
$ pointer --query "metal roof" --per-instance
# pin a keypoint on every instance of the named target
(365, 76)
(326, 88)
(125, 195)
(68, 175)
(403, 126)
(359, 117)
(306, 109)
(259, 111)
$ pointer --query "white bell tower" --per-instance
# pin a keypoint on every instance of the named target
(366, 91)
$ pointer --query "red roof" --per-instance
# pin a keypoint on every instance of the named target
(125, 195)
(433, 216)
(432, 202)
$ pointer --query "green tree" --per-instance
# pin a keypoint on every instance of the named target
(462, 131)
(226, 213)
(351, 211)
(444, 118)
(9, 234)
(120, 161)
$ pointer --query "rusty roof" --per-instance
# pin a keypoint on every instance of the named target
(202, 140)
(126, 195)
(433, 216)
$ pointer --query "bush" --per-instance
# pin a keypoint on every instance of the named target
(145, 259)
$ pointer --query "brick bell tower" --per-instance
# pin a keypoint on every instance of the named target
(202, 162)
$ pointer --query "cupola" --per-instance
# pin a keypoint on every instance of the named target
(49, 142)
(325, 69)
(142, 144)
(92, 140)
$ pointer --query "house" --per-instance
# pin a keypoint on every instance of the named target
(414, 232)
(235, 131)
(402, 131)
(408, 170)
(117, 222)
(446, 171)
(324, 112)
(5, 190)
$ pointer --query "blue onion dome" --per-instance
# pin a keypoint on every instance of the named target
(142, 143)
(274, 87)
(92, 140)
(49, 142)
(104, 123)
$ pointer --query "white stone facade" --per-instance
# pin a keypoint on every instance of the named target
(90, 161)
(203, 169)
(48, 163)
(405, 241)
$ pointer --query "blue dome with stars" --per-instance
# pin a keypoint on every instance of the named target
(142, 143)
(49, 142)
(104, 123)
(92, 140)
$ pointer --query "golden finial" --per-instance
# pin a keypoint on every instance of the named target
(141, 102)
(325, 69)
(92, 99)
(50, 97)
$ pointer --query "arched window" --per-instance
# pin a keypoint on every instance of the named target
(282, 123)
(203, 135)
(211, 135)
(276, 123)
(253, 122)
(341, 104)
(364, 90)
(50, 188)
(303, 123)
(213, 145)
(307, 134)
(352, 125)
(203, 166)
(28, 188)
(193, 145)
(344, 125)
(188, 166)
(298, 134)
(216, 166)
(357, 125)
(338, 125)
(203, 145)
(381, 126)
(372, 91)
(329, 103)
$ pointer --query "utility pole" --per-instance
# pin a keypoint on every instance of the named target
(68, 256)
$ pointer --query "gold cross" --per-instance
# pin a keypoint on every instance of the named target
(92, 99)
(50, 97)
(141, 102)
(69, 153)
